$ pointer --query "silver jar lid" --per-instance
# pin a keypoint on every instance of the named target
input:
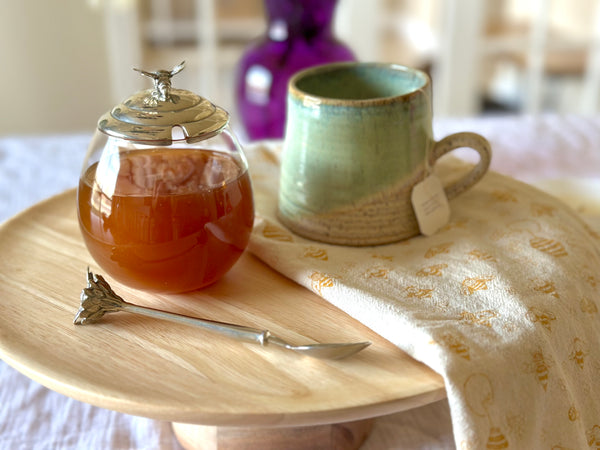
(149, 116)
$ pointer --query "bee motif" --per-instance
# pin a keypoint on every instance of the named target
(377, 272)
(539, 209)
(593, 436)
(549, 246)
(438, 249)
(479, 318)
(541, 368)
(432, 271)
(545, 318)
(496, 439)
(504, 196)
(472, 285)
(456, 224)
(482, 256)
(271, 231)
(592, 280)
(457, 346)
(317, 253)
(573, 414)
(588, 306)
(385, 257)
(547, 288)
(415, 292)
(321, 280)
(578, 354)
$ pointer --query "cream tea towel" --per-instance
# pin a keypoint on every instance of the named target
(502, 302)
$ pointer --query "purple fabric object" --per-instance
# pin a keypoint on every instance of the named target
(299, 35)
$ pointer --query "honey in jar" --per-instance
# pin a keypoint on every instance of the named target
(161, 212)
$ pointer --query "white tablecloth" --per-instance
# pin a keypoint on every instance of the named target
(560, 154)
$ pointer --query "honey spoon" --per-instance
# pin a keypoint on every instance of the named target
(98, 299)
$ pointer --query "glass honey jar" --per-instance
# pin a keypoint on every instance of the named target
(165, 199)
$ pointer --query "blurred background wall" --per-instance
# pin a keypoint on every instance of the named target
(65, 62)
(53, 66)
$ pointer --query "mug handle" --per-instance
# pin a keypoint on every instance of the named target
(459, 140)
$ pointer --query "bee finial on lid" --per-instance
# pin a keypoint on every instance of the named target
(162, 84)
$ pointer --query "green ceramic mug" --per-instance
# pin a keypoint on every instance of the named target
(358, 138)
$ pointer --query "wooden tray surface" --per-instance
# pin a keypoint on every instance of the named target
(165, 371)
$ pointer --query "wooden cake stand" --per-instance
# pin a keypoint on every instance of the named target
(218, 392)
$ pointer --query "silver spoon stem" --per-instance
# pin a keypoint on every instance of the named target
(98, 299)
(240, 332)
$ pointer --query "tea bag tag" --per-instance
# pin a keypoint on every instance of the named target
(430, 205)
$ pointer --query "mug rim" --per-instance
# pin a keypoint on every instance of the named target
(314, 99)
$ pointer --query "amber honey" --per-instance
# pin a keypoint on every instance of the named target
(166, 220)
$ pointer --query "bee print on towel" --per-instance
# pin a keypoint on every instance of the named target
(316, 253)
(546, 287)
(384, 257)
(592, 280)
(472, 285)
(456, 344)
(504, 196)
(479, 318)
(438, 250)
(461, 223)
(548, 246)
(496, 440)
(588, 306)
(319, 281)
(544, 318)
(481, 256)
(573, 414)
(276, 233)
(540, 366)
(416, 292)
(593, 437)
(479, 396)
(377, 272)
(578, 353)
(541, 209)
(432, 271)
